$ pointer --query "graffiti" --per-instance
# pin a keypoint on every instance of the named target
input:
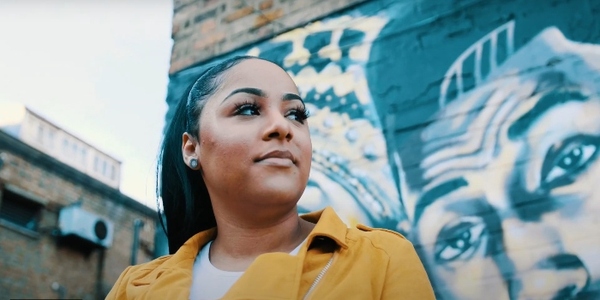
(504, 183)
(480, 146)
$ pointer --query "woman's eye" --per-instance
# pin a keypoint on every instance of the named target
(247, 109)
(297, 115)
(568, 159)
(460, 241)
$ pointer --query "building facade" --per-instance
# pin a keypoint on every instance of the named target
(65, 231)
(470, 126)
(45, 136)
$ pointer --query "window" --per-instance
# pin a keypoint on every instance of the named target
(96, 164)
(51, 138)
(20, 211)
(40, 134)
(104, 167)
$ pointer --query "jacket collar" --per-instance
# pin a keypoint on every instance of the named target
(328, 225)
(193, 245)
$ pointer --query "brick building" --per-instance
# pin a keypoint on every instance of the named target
(471, 126)
(66, 231)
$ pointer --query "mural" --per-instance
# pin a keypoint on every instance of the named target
(501, 193)
(478, 140)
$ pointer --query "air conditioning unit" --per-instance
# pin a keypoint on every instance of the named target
(74, 221)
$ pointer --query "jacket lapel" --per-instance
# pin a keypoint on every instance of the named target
(284, 276)
(278, 275)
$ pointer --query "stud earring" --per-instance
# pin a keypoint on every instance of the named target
(193, 163)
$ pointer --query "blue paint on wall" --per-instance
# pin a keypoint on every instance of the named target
(469, 126)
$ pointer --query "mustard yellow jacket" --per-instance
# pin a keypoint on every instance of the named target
(336, 263)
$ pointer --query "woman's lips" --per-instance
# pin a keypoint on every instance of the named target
(282, 158)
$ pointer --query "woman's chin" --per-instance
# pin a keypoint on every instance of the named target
(280, 192)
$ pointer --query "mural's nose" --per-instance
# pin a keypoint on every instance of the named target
(561, 276)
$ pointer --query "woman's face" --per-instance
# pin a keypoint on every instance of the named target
(254, 142)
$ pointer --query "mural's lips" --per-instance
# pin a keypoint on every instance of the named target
(277, 155)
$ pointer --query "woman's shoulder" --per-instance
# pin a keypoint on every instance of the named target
(152, 264)
(404, 271)
(140, 271)
(135, 280)
(398, 252)
(361, 236)
(183, 258)
(384, 239)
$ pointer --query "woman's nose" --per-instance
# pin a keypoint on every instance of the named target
(278, 127)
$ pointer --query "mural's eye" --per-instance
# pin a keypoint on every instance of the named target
(565, 160)
(460, 240)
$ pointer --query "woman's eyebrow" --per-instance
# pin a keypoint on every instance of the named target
(290, 97)
(261, 93)
(246, 90)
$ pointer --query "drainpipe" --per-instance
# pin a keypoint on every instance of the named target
(137, 225)
(99, 278)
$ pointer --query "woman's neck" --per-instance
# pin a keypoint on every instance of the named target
(239, 242)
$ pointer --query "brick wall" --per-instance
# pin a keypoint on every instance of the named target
(203, 29)
(470, 126)
(31, 261)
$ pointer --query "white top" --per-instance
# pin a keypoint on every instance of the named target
(210, 283)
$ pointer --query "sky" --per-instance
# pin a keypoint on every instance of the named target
(97, 69)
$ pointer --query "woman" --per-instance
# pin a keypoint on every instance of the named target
(234, 163)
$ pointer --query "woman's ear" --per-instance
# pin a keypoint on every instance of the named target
(190, 149)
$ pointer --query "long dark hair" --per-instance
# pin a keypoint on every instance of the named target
(186, 203)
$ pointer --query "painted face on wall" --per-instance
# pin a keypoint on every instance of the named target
(504, 200)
